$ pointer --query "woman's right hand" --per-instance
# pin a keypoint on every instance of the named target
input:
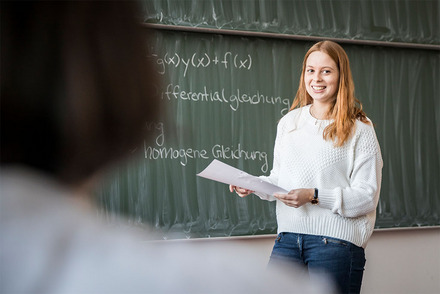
(242, 192)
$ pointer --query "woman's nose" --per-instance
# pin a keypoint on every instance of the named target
(317, 77)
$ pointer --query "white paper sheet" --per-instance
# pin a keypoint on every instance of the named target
(224, 173)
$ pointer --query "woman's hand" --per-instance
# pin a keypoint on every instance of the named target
(242, 192)
(296, 198)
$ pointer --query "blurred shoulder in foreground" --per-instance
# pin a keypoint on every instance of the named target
(76, 90)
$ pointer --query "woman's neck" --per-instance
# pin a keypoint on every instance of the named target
(319, 111)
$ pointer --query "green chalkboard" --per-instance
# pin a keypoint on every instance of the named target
(224, 96)
(410, 21)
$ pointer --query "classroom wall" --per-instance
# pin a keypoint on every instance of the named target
(404, 261)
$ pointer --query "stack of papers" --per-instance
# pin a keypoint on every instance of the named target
(224, 173)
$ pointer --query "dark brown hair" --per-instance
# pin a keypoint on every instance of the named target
(76, 85)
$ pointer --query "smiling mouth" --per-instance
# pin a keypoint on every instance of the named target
(318, 88)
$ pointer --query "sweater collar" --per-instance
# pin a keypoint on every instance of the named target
(314, 121)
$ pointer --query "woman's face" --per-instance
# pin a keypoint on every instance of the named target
(321, 77)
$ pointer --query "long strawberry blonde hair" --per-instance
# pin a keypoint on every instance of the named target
(345, 109)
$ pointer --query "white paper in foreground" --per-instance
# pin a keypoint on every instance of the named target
(224, 173)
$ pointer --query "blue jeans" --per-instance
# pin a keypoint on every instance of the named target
(342, 261)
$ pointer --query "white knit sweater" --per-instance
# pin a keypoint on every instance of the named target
(348, 178)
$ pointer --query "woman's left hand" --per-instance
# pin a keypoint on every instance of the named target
(296, 198)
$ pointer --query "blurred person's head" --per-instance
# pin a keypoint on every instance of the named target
(76, 85)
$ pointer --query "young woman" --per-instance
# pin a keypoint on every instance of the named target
(327, 155)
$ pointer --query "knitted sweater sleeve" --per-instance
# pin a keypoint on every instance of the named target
(274, 173)
(362, 195)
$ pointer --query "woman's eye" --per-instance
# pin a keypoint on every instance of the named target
(310, 70)
(326, 71)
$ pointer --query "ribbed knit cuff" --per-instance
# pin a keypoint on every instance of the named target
(327, 198)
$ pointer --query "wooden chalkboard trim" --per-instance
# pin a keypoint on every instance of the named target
(290, 37)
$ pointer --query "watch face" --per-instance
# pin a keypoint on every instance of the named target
(315, 201)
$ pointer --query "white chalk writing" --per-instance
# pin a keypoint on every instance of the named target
(202, 60)
(234, 98)
(158, 126)
(217, 151)
(220, 151)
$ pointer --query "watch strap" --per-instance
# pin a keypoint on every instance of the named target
(315, 199)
